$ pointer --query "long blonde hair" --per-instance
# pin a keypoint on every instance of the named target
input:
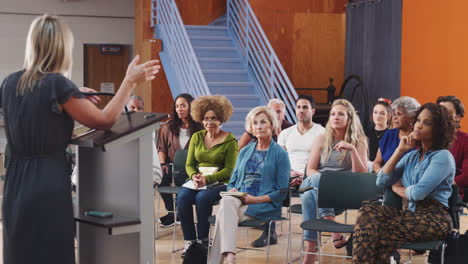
(354, 132)
(48, 50)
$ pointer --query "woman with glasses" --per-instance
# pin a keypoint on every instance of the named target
(211, 158)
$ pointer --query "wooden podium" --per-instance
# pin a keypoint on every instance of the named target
(115, 175)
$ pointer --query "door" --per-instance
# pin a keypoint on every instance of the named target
(105, 66)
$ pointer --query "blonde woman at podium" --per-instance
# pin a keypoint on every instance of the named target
(40, 104)
(211, 158)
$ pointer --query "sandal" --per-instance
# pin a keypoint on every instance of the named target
(230, 260)
(341, 244)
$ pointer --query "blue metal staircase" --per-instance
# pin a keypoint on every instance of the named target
(221, 64)
(236, 60)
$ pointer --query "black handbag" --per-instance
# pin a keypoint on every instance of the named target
(456, 251)
(197, 253)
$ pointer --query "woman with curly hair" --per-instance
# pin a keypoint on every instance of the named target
(423, 177)
(343, 147)
(211, 158)
(173, 136)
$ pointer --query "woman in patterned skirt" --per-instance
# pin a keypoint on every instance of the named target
(423, 178)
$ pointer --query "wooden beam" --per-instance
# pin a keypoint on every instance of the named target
(156, 94)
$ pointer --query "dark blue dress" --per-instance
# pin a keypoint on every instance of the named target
(388, 144)
(38, 225)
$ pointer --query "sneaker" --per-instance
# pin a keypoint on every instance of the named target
(187, 244)
(168, 221)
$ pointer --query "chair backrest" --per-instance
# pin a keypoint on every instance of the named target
(346, 190)
(392, 199)
(180, 158)
(455, 210)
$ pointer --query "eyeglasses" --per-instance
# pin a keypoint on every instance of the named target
(212, 120)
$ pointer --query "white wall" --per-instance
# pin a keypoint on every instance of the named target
(91, 21)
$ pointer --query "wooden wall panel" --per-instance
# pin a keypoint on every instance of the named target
(314, 6)
(318, 51)
(435, 51)
(309, 39)
(156, 94)
(104, 68)
(201, 12)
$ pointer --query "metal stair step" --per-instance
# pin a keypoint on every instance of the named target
(235, 127)
(216, 52)
(220, 63)
(230, 87)
(211, 41)
(244, 100)
(226, 75)
(206, 30)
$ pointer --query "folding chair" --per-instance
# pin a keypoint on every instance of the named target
(259, 223)
(341, 190)
(178, 170)
(455, 209)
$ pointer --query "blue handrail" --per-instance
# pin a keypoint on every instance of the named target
(259, 56)
(176, 43)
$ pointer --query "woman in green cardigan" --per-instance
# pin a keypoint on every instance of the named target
(212, 155)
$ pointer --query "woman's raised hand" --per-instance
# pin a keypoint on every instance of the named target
(343, 145)
(407, 143)
(138, 73)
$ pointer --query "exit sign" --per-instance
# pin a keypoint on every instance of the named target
(111, 49)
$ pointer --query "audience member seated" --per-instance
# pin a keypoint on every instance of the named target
(173, 136)
(382, 121)
(279, 108)
(459, 147)
(343, 147)
(261, 172)
(136, 104)
(209, 149)
(423, 178)
(297, 140)
(404, 111)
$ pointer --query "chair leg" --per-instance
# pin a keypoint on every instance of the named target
(157, 215)
(319, 243)
(210, 239)
(154, 230)
(288, 253)
(268, 242)
(175, 219)
(442, 256)
(302, 247)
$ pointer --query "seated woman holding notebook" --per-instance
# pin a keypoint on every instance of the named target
(261, 172)
(212, 154)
